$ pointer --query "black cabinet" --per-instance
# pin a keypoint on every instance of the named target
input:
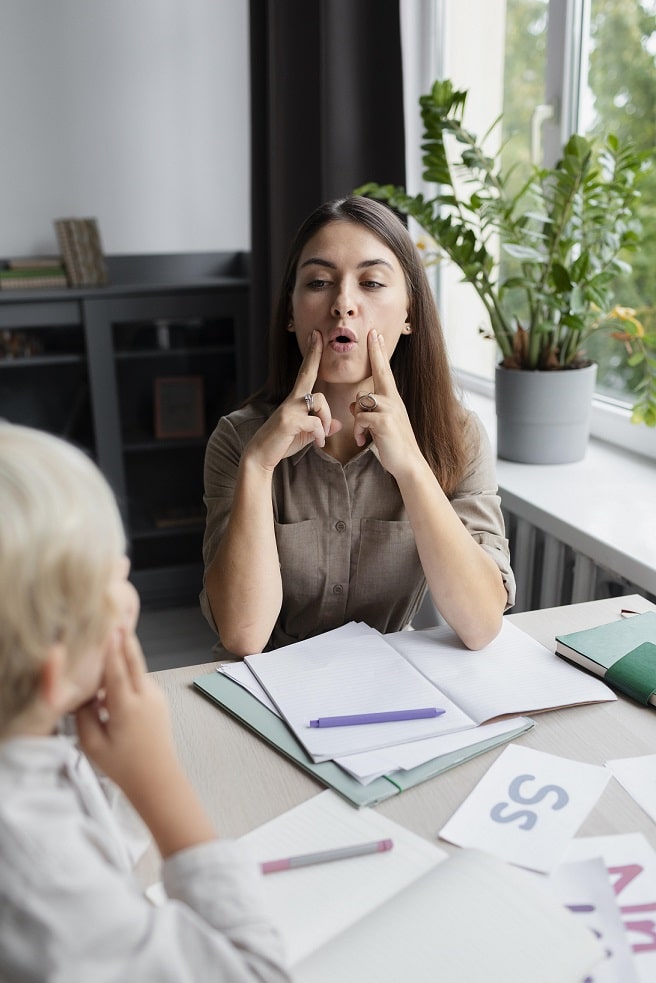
(137, 373)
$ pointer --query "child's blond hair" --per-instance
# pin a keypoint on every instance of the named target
(60, 535)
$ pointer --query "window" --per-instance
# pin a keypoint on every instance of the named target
(551, 67)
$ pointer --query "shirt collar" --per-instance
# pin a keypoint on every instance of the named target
(299, 455)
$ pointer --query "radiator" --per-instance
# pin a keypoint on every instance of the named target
(548, 572)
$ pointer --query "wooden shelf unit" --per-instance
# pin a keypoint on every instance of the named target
(92, 356)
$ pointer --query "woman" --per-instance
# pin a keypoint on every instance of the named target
(354, 478)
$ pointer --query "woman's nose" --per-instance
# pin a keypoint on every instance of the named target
(343, 306)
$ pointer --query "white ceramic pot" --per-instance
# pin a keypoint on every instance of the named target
(544, 417)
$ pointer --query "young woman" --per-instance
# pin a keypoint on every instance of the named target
(354, 479)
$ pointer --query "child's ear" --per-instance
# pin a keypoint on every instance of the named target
(54, 685)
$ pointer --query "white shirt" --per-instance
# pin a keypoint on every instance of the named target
(70, 909)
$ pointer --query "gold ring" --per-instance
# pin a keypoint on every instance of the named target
(309, 402)
(367, 402)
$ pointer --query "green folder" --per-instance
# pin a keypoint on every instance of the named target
(238, 702)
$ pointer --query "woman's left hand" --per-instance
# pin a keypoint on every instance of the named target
(388, 423)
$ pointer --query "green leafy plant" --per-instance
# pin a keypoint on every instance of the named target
(564, 232)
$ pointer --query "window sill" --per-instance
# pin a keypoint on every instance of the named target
(603, 506)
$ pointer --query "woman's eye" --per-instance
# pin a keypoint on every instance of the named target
(317, 284)
(373, 284)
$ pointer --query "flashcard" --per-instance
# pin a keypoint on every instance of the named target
(584, 887)
(631, 864)
(527, 807)
(638, 776)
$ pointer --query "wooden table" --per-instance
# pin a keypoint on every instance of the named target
(244, 782)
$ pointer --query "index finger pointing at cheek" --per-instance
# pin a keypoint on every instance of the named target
(307, 374)
(381, 370)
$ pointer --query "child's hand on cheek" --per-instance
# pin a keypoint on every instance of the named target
(125, 730)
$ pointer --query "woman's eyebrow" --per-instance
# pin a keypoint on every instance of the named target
(365, 264)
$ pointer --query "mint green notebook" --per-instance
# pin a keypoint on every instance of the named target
(238, 702)
(622, 652)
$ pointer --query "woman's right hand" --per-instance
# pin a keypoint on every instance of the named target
(291, 427)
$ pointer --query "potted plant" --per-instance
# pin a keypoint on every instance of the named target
(564, 233)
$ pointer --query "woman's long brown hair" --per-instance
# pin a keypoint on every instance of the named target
(419, 362)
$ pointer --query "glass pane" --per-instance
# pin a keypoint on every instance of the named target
(524, 75)
(620, 97)
(523, 90)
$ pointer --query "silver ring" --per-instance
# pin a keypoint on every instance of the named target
(309, 401)
(367, 402)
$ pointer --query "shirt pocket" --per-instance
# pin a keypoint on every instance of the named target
(300, 559)
(388, 564)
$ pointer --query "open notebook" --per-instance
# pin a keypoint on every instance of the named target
(411, 913)
(355, 669)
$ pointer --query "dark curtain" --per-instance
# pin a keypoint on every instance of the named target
(326, 116)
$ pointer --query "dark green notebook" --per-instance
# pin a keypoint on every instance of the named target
(623, 653)
(247, 708)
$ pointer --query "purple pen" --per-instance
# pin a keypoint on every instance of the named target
(384, 717)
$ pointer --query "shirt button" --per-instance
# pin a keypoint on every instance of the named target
(338, 589)
(340, 526)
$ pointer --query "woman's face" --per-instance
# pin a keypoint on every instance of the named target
(348, 282)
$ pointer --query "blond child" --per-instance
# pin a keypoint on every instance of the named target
(69, 906)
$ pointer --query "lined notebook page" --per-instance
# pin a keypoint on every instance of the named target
(339, 673)
(513, 674)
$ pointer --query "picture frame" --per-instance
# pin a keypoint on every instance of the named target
(179, 407)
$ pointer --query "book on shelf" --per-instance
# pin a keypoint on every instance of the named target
(412, 912)
(34, 262)
(622, 652)
(33, 277)
(81, 249)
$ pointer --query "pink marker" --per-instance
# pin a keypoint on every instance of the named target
(325, 856)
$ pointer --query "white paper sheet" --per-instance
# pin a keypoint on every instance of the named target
(527, 806)
(401, 757)
(468, 919)
(638, 777)
(631, 863)
(311, 905)
(240, 673)
(584, 887)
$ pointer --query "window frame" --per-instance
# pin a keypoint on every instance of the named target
(424, 60)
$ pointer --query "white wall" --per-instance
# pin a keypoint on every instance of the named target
(132, 111)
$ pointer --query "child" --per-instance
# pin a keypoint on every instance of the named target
(69, 908)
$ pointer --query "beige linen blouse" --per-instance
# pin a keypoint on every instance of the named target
(346, 547)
